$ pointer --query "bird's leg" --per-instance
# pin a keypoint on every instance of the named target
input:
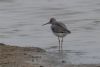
(62, 47)
(59, 43)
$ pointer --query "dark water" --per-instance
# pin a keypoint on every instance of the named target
(21, 20)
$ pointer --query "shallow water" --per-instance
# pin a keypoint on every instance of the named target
(21, 20)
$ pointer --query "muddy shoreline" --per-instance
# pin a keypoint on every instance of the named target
(15, 56)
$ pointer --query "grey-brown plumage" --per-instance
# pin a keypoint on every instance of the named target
(59, 29)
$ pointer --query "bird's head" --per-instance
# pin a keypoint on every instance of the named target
(51, 21)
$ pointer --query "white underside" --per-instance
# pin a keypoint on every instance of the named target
(60, 34)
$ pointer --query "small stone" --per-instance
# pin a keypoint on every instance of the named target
(41, 66)
(63, 61)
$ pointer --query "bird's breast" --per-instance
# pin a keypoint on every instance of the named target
(60, 34)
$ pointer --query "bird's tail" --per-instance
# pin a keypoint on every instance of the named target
(69, 31)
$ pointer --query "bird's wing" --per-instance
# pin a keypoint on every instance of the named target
(63, 27)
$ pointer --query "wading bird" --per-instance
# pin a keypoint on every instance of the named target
(60, 30)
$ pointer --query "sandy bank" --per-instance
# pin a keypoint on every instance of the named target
(14, 56)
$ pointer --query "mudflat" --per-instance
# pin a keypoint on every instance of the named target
(15, 56)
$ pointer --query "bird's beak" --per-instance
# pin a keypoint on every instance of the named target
(46, 23)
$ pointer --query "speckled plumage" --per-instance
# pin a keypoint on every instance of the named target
(60, 30)
(58, 27)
